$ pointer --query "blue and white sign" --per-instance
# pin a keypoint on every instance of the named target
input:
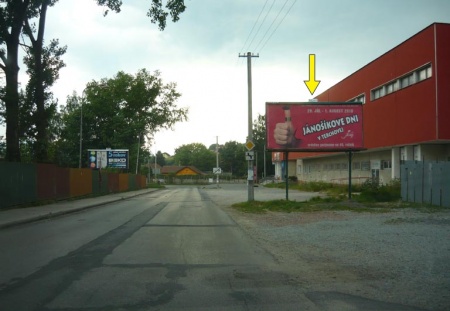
(115, 158)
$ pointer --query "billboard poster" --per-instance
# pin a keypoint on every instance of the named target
(97, 158)
(118, 158)
(314, 126)
(108, 158)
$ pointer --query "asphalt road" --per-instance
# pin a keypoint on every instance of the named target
(173, 249)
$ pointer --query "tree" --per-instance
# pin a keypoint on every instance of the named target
(259, 138)
(43, 65)
(15, 15)
(195, 154)
(119, 113)
(160, 159)
(12, 17)
(232, 158)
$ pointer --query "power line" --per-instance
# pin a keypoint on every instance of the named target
(267, 31)
(278, 25)
(259, 28)
(251, 31)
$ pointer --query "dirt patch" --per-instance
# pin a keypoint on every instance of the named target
(401, 256)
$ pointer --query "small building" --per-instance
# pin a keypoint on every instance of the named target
(181, 171)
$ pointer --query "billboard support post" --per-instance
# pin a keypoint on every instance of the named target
(286, 163)
(350, 154)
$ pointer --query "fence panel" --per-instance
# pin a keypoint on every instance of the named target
(113, 182)
(436, 184)
(80, 181)
(426, 182)
(132, 185)
(99, 182)
(142, 181)
(123, 182)
(52, 182)
(17, 183)
(445, 185)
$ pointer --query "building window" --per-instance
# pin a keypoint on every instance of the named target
(358, 99)
(385, 164)
(407, 80)
(376, 93)
(392, 87)
(365, 166)
(402, 82)
(356, 165)
(424, 73)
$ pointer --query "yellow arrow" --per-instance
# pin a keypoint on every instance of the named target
(312, 84)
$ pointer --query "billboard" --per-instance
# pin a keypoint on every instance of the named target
(314, 126)
(114, 158)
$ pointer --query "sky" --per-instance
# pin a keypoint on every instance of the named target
(200, 53)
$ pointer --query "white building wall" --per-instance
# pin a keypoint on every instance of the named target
(385, 164)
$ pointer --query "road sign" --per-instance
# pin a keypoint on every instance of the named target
(249, 155)
(217, 170)
(249, 145)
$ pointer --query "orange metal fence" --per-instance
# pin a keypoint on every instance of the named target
(22, 183)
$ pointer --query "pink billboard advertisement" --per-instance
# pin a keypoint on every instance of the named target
(314, 126)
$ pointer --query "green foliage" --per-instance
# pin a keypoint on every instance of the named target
(231, 158)
(159, 15)
(314, 205)
(369, 191)
(374, 192)
(315, 186)
(259, 138)
(160, 159)
(122, 112)
(195, 154)
(16, 19)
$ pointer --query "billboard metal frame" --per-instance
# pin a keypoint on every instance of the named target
(108, 158)
(315, 126)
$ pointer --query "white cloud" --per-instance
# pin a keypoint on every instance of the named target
(200, 52)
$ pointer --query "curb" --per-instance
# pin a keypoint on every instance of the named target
(69, 211)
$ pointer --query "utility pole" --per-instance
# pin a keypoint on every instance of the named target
(217, 159)
(81, 131)
(139, 147)
(250, 180)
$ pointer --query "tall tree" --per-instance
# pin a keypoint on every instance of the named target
(14, 15)
(259, 138)
(119, 113)
(232, 158)
(195, 154)
(160, 159)
(43, 65)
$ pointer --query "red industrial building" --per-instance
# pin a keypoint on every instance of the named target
(406, 107)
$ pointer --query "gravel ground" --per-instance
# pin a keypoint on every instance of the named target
(400, 257)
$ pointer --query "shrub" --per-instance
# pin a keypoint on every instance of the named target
(374, 192)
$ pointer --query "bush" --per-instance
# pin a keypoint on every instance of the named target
(374, 192)
(315, 186)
